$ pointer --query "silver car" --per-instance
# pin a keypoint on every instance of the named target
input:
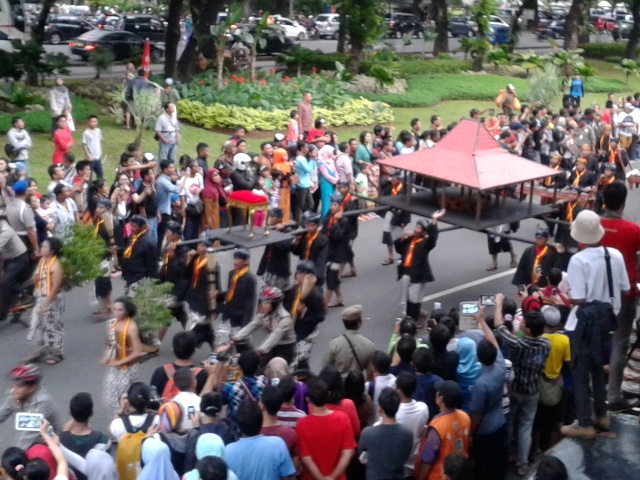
(327, 25)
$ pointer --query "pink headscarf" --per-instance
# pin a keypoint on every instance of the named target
(327, 153)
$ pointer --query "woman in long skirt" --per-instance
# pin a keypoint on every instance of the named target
(122, 353)
(47, 320)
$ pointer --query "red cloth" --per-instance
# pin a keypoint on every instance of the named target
(61, 139)
(548, 292)
(42, 451)
(247, 196)
(287, 434)
(348, 407)
(146, 58)
(323, 438)
(625, 236)
(315, 133)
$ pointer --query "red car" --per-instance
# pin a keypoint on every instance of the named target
(603, 25)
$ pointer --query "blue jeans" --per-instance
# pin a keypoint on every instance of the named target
(153, 228)
(167, 151)
(96, 167)
(523, 411)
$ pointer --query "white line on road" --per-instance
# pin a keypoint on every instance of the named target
(449, 291)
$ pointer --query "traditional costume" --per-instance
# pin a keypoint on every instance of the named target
(536, 260)
(314, 247)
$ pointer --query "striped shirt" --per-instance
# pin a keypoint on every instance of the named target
(289, 415)
(529, 357)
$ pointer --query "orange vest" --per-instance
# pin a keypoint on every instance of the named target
(453, 429)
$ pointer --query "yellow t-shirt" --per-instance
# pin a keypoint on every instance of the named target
(560, 353)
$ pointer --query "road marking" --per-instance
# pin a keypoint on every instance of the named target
(444, 293)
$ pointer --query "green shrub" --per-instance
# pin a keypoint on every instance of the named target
(613, 59)
(40, 121)
(408, 67)
(352, 112)
(309, 59)
(605, 50)
(603, 84)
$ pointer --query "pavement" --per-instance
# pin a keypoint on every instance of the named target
(527, 41)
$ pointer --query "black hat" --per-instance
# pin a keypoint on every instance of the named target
(575, 188)
(422, 223)
(315, 219)
(305, 266)
(174, 227)
(211, 404)
(396, 174)
(205, 240)
(342, 183)
(138, 220)
(335, 198)
(276, 212)
(614, 139)
(241, 253)
(451, 393)
(542, 232)
(609, 166)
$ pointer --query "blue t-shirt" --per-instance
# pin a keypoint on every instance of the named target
(486, 397)
(426, 391)
(259, 458)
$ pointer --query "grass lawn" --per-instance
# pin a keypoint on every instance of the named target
(449, 95)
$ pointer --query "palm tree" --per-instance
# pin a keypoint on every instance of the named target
(629, 67)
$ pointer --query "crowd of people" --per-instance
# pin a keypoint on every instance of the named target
(442, 400)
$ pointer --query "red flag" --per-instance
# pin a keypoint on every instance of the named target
(146, 58)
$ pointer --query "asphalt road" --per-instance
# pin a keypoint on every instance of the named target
(527, 41)
(458, 263)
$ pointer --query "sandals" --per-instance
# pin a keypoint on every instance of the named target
(388, 261)
(334, 305)
(350, 274)
(514, 264)
(53, 359)
(491, 268)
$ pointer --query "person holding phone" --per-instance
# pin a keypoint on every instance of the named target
(53, 443)
(189, 401)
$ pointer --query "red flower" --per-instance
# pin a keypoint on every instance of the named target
(263, 82)
(272, 70)
(226, 81)
(201, 82)
(295, 85)
(233, 77)
(240, 79)
(314, 69)
(286, 79)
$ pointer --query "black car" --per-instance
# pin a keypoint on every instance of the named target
(124, 45)
(461, 27)
(554, 30)
(622, 30)
(64, 28)
(146, 26)
(276, 41)
(400, 24)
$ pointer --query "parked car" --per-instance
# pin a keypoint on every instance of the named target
(63, 28)
(400, 24)
(124, 45)
(498, 34)
(275, 43)
(497, 19)
(292, 29)
(554, 30)
(622, 30)
(327, 25)
(145, 26)
(603, 25)
(461, 27)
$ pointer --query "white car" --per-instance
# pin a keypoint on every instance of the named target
(497, 19)
(292, 29)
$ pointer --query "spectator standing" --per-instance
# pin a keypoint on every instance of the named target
(624, 236)
(388, 445)
(305, 115)
(426, 381)
(167, 185)
(529, 355)
(19, 139)
(445, 362)
(326, 437)
(447, 433)
(170, 95)
(185, 381)
(92, 145)
(302, 200)
(380, 363)
(168, 132)
(577, 90)
(59, 102)
(248, 387)
(22, 218)
(62, 139)
(468, 369)
(598, 279)
(270, 402)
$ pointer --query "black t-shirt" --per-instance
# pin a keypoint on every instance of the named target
(159, 378)
(149, 203)
(445, 364)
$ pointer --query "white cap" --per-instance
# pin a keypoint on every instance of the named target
(168, 81)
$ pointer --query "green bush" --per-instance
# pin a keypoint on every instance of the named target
(605, 50)
(408, 67)
(309, 59)
(352, 112)
(603, 84)
(40, 121)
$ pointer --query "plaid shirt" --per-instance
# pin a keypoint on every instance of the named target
(529, 357)
(233, 393)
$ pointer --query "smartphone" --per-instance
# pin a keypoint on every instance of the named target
(437, 305)
(191, 410)
(28, 422)
(468, 312)
(213, 358)
(488, 300)
(469, 308)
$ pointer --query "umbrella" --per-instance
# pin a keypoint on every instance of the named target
(146, 58)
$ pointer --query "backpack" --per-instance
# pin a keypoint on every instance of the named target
(170, 390)
(130, 446)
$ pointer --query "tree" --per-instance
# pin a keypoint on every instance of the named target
(634, 35)
(172, 38)
(37, 36)
(144, 108)
(481, 12)
(573, 24)
(220, 38)
(101, 59)
(440, 15)
(364, 26)
(629, 67)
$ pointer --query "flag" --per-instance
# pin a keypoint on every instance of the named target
(146, 58)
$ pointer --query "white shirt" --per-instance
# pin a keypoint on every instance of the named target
(186, 400)
(381, 382)
(587, 276)
(406, 150)
(196, 182)
(413, 415)
(117, 426)
(63, 216)
(93, 141)
(167, 126)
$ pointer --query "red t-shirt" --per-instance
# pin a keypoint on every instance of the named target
(61, 139)
(625, 236)
(348, 407)
(315, 133)
(324, 438)
(287, 434)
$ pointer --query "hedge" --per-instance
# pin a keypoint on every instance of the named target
(40, 121)
(605, 51)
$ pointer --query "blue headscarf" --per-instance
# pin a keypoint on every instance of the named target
(468, 365)
(209, 445)
(156, 458)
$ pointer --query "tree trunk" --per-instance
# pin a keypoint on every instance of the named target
(515, 28)
(172, 38)
(439, 14)
(634, 35)
(572, 24)
(252, 66)
(247, 9)
(355, 57)
(342, 32)
(37, 36)
(220, 71)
